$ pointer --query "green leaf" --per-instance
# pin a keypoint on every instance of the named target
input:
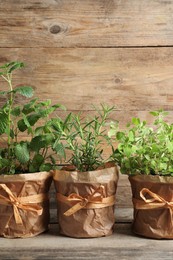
(147, 157)
(7, 65)
(42, 141)
(45, 167)
(21, 125)
(39, 130)
(3, 122)
(37, 143)
(16, 111)
(127, 151)
(38, 159)
(25, 91)
(12, 133)
(120, 135)
(154, 113)
(3, 92)
(170, 146)
(59, 106)
(48, 138)
(163, 166)
(111, 132)
(135, 121)
(22, 152)
(131, 136)
(14, 66)
(28, 121)
(29, 107)
(52, 159)
(59, 149)
(33, 118)
(36, 162)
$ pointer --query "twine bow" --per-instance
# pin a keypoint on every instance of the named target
(25, 203)
(154, 202)
(95, 200)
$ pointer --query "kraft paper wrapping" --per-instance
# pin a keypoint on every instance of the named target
(86, 222)
(31, 192)
(153, 206)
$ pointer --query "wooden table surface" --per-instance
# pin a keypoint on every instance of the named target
(123, 244)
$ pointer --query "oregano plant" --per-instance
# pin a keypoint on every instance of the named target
(145, 149)
(31, 119)
(84, 138)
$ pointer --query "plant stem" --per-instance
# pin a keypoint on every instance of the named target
(9, 114)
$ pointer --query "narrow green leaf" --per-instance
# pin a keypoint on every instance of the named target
(59, 106)
(52, 159)
(154, 113)
(14, 66)
(12, 133)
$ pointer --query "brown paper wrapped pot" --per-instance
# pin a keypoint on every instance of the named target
(29, 197)
(153, 217)
(86, 222)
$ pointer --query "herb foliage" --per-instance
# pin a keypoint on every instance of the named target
(33, 154)
(143, 149)
(84, 137)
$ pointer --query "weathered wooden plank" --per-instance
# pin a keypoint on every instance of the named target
(133, 79)
(121, 245)
(64, 23)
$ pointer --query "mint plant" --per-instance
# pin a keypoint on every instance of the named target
(84, 137)
(143, 149)
(36, 153)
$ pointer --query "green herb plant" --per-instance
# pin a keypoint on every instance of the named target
(143, 149)
(32, 119)
(84, 137)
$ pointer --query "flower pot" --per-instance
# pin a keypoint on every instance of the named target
(153, 206)
(24, 204)
(86, 201)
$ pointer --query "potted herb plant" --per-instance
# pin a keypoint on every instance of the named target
(86, 189)
(25, 162)
(145, 153)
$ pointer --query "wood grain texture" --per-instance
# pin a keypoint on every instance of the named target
(75, 23)
(135, 79)
(80, 53)
(121, 245)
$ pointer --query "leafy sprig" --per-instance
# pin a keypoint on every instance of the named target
(36, 153)
(84, 137)
(143, 149)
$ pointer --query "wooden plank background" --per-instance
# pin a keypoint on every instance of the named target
(80, 53)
